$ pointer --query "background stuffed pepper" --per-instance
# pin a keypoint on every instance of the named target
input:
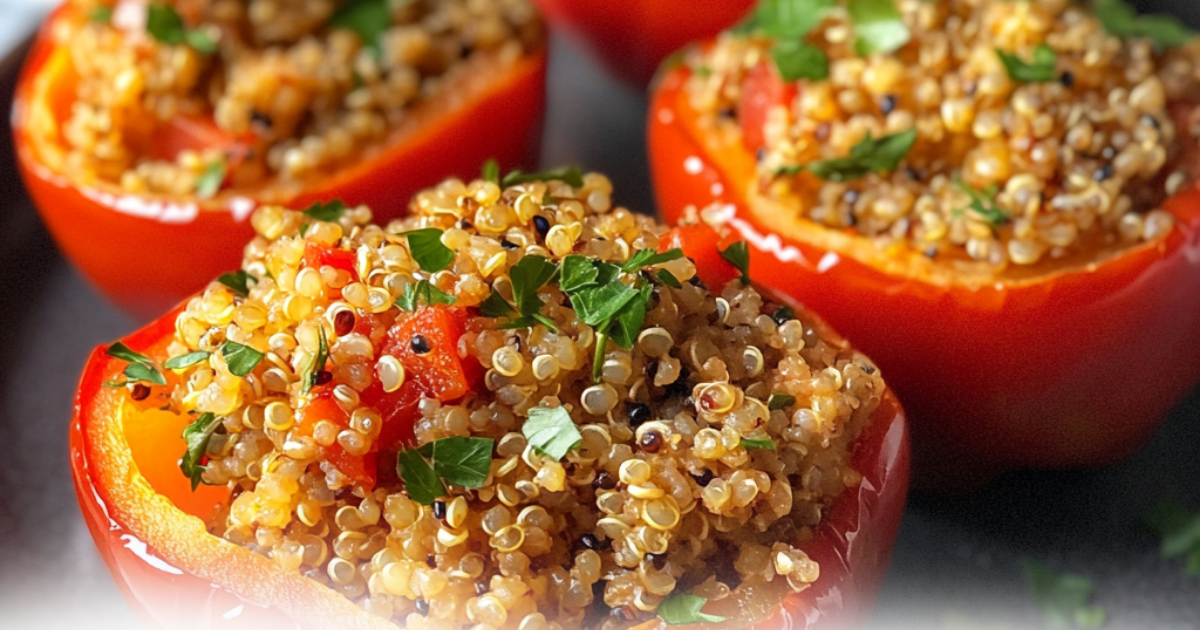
(1002, 193)
(147, 132)
(631, 38)
(517, 397)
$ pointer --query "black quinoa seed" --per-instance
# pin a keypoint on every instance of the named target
(1067, 78)
(420, 344)
(656, 559)
(464, 224)
(638, 414)
(590, 541)
(1150, 121)
(650, 370)
(481, 588)
(422, 606)
(727, 113)
(261, 119)
(651, 442)
(604, 481)
(703, 478)
(542, 225)
(783, 315)
(431, 561)
(850, 197)
(507, 244)
(760, 154)
(343, 323)
(888, 104)
(139, 392)
(1104, 173)
(439, 509)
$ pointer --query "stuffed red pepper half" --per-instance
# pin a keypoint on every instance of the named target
(1002, 193)
(147, 132)
(519, 408)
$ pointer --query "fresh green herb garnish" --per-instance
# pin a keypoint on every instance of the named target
(627, 323)
(597, 305)
(164, 24)
(1122, 20)
(1180, 533)
(491, 171)
(581, 272)
(317, 363)
(983, 204)
(868, 156)
(241, 359)
(758, 444)
(496, 307)
(738, 255)
(780, 401)
(683, 608)
(428, 250)
(140, 368)
(527, 276)
(463, 461)
(788, 22)
(100, 14)
(423, 293)
(1063, 599)
(196, 436)
(648, 258)
(1040, 70)
(798, 59)
(367, 18)
(328, 211)
(569, 175)
(460, 461)
(878, 26)
(552, 432)
(669, 279)
(210, 180)
(422, 484)
(236, 281)
(186, 360)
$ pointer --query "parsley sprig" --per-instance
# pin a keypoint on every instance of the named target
(428, 250)
(367, 18)
(788, 22)
(459, 461)
(552, 432)
(870, 155)
(1180, 533)
(241, 359)
(1063, 599)
(1122, 20)
(186, 360)
(317, 364)
(164, 24)
(196, 435)
(423, 293)
(983, 205)
(140, 369)
(738, 255)
(1039, 70)
(684, 608)
(528, 276)
(236, 281)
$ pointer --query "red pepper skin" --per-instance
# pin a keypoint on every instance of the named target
(632, 37)
(1072, 368)
(147, 525)
(147, 253)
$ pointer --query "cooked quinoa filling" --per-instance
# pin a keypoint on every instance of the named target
(1010, 133)
(691, 454)
(265, 87)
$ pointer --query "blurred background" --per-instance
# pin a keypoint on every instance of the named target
(957, 564)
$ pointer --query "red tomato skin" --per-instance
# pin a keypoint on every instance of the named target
(703, 245)
(147, 253)
(1067, 371)
(149, 542)
(632, 37)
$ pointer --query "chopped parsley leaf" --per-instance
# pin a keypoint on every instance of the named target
(878, 26)
(1040, 70)
(551, 431)
(241, 359)
(196, 436)
(669, 279)
(210, 180)
(422, 484)
(780, 401)
(428, 250)
(758, 444)
(649, 258)
(236, 281)
(868, 156)
(491, 171)
(1121, 19)
(684, 608)
(164, 24)
(738, 255)
(328, 211)
(186, 360)
(317, 364)
(569, 175)
(423, 292)
(367, 18)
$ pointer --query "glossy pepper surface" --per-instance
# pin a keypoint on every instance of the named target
(632, 37)
(148, 523)
(1075, 367)
(147, 253)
